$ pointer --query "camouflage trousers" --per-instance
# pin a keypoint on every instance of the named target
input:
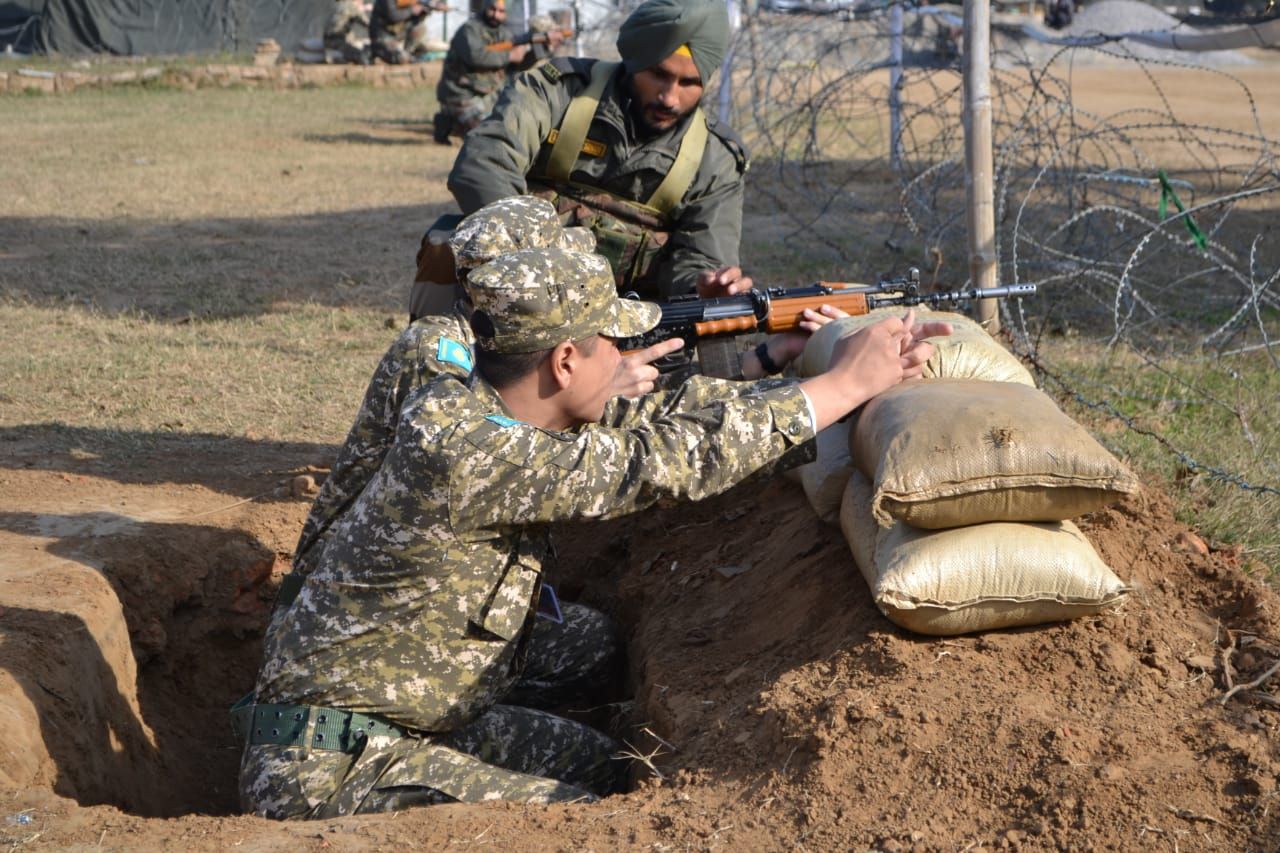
(511, 752)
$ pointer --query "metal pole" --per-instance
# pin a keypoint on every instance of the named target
(979, 180)
(895, 87)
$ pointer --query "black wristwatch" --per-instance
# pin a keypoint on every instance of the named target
(770, 367)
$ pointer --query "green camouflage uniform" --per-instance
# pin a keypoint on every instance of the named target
(420, 608)
(506, 154)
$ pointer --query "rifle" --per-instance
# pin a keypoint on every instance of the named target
(534, 38)
(779, 309)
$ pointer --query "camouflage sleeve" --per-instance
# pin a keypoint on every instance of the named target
(696, 393)
(498, 153)
(515, 474)
(423, 351)
(709, 224)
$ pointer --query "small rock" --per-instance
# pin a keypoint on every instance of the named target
(1110, 773)
(1189, 543)
(1204, 662)
(303, 484)
(1014, 836)
(731, 571)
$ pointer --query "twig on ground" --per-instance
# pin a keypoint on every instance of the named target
(650, 732)
(647, 760)
(1187, 814)
(1252, 684)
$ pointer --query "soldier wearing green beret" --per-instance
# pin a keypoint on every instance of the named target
(625, 150)
(399, 674)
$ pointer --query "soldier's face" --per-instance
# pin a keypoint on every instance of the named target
(666, 92)
(495, 14)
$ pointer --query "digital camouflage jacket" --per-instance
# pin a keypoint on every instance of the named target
(419, 604)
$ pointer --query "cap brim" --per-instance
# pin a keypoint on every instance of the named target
(632, 318)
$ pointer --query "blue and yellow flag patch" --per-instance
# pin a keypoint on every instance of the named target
(452, 352)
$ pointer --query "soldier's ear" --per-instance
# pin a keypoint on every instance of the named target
(563, 364)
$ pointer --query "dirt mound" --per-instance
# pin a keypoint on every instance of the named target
(780, 708)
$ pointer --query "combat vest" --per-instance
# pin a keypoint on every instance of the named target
(630, 234)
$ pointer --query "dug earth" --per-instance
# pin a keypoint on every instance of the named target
(769, 704)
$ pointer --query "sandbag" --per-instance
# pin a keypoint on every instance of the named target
(976, 578)
(950, 452)
(968, 353)
(824, 479)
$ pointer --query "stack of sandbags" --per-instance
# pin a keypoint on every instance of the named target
(959, 520)
(957, 513)
(969, 352)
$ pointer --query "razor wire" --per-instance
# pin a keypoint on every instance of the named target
(1146, 230)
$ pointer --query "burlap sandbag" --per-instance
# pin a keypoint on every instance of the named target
(824, 478)
(950, 452)
(976, 578)
(968, 353)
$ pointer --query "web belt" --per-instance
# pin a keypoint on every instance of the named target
(307, 725)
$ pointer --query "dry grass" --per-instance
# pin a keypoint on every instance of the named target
(226, 263)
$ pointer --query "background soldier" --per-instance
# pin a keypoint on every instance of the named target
(396, 29)
(476, 69)
(346, 32)
(626, 151)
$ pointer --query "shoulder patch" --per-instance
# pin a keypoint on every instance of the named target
(501, 420)
(732, 141)
(552, 73)
(454, 352)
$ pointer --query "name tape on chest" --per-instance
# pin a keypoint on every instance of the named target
(590, 147)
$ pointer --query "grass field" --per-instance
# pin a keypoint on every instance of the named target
(233, 262)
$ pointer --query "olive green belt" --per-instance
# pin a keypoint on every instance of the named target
(307, 725)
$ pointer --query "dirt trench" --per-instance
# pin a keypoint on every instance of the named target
(773, 705)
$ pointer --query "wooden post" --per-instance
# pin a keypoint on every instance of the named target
(979, 180)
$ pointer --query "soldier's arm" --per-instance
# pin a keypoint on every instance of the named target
(523, 475)
(498, 153)
(696, 393)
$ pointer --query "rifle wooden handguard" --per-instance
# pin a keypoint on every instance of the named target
(784, 314)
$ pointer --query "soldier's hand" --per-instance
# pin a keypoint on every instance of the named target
(517, 54)
(555, 38)
(636, 374)
(726, 281)
(862, 365)
(915, 350)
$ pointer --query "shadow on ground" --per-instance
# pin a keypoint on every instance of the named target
(231, 465)
(215, 268)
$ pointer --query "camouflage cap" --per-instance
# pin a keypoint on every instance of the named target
(534, 299)
(509, 224)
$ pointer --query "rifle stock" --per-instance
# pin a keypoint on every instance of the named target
(777, 309)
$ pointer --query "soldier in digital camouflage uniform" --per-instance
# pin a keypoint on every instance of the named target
(384, 683)
(625, 150)
(346, 31)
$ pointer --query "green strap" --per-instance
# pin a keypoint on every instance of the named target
(576, 122)
(1166, 194)
(680, 178)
